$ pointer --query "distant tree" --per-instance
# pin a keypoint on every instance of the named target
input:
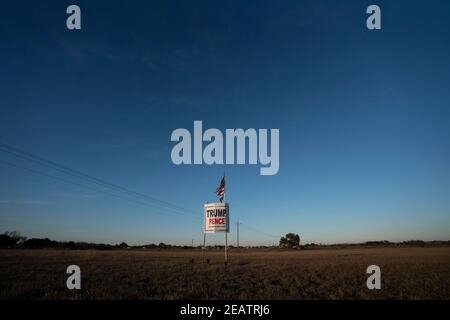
(16, 236)
(290, 240)
(70, 245)
(6, 241)
(40, 243)
(123, 245)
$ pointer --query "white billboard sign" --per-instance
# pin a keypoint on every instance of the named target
(216, 217)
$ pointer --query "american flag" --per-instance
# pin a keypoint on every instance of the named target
(221, 189)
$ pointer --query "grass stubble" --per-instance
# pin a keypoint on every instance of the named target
(406, 273)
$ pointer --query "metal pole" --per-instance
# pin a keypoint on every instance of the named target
(226, 247)
(228, 223)
(237, 233)
(203, 249)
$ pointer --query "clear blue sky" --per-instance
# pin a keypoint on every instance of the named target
(363, 116)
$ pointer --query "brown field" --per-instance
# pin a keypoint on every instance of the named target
(407, 273)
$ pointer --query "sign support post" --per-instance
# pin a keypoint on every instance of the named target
(204, 247)
(226, 248)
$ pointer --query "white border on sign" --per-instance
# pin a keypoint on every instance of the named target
(207, 228)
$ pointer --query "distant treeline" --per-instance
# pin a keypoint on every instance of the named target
(415, 243)
(11, 240)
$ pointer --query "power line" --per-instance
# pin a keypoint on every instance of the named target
(173, 208)
(81, 185)
(258, 231)
(80, 175)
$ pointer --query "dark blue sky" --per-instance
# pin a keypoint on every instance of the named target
(363, 117)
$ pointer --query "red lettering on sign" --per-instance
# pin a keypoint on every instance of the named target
(216, 220)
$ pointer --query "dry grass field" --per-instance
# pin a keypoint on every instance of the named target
(407, 273)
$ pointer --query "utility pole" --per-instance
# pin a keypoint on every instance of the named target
(192, 243)
(237, 225)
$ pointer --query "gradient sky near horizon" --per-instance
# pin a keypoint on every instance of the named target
(363, 116)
